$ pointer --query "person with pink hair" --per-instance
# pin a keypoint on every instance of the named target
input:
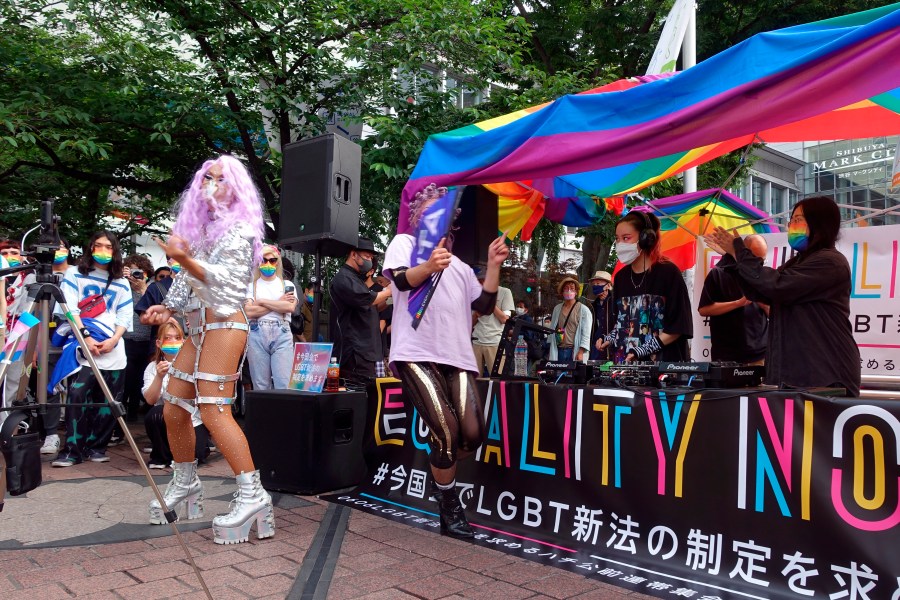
(216, 239)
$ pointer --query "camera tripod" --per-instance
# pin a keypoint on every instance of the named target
(38, 303)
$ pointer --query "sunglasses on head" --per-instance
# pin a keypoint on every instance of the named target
(271, 261)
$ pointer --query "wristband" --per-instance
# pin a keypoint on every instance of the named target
(85, 332)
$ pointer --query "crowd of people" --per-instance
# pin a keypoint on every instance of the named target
(171, 341)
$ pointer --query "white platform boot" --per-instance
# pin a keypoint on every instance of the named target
(184, 487)
(251, 503)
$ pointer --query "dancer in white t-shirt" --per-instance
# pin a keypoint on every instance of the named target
(436, 361)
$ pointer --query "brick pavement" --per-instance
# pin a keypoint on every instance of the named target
(376, 558)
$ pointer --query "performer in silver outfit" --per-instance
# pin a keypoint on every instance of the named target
(217, 240)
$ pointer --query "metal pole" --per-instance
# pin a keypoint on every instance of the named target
(317, 294)
(688, 60)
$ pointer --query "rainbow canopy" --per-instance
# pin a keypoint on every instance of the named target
(833, 79)
(685, 217)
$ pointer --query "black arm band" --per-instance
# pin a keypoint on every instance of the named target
(485, 303)
(85, 332)
(400, 281)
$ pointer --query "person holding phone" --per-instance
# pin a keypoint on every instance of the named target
(270, 301)
(138, 341)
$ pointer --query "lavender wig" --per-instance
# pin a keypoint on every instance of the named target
(193, 213)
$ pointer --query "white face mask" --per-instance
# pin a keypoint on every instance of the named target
(627, 253)
(520, 311)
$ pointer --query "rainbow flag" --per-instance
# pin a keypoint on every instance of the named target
(686, 217)
(833, 79)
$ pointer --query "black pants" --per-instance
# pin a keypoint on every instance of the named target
(137, 352)
(160, 453)
(357, 371)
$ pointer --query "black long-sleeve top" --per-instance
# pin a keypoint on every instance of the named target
(810, 337)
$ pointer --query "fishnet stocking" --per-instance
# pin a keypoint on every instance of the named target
(221, 352)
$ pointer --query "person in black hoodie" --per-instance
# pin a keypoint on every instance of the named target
(810, 337)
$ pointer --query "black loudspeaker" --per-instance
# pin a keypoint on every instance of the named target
(476, 226)
(306, 443)
(320, 195)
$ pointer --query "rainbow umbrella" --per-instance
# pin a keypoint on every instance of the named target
(685, 217)
(833, 79)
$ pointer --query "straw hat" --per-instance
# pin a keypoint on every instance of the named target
(567, 279)
(603, 276)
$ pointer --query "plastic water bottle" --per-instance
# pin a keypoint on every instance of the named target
(521, 357)
(333, 380)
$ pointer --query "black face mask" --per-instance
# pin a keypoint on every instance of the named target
(365, 267)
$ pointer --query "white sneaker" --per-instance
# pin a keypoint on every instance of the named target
(51, 445)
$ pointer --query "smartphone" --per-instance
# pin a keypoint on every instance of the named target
(289, 288)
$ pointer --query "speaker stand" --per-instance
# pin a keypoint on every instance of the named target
(317, 293)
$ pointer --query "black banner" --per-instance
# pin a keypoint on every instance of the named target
(706, 494)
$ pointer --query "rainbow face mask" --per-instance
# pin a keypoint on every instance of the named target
(310, 298)
(175, 268)
(60, 257)
(170, 348)
(798, 237)
(13, 262)
(267, 269)
(102, 257)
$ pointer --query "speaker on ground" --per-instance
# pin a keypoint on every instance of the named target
(306, 443)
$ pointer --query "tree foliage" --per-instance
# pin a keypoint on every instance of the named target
(132, 95)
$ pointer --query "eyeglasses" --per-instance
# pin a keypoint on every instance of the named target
(797, 220)
(271, 261)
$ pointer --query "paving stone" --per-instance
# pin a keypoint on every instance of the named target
(518, 573)
(468, 576)
(161, 571)
(341, 590)
(372, 582)
(434, 586)
(19, 565)
(101, 596)
(264, 548)
(220, 559)
(100, 583)
(608, 592)
(43, 576)
(44, 592)
(387, 595)
(123, 548)
(265, 586)
(366, 562)
(98, 566)
(497, 589)
(267, 566)
(560, 586)
(219, 593)
(227, 576)
(56, 557)
(163, 588)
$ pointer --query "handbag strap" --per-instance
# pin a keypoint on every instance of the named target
(568, 316)
(10, 425)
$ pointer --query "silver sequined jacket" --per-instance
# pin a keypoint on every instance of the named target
(227, 262)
